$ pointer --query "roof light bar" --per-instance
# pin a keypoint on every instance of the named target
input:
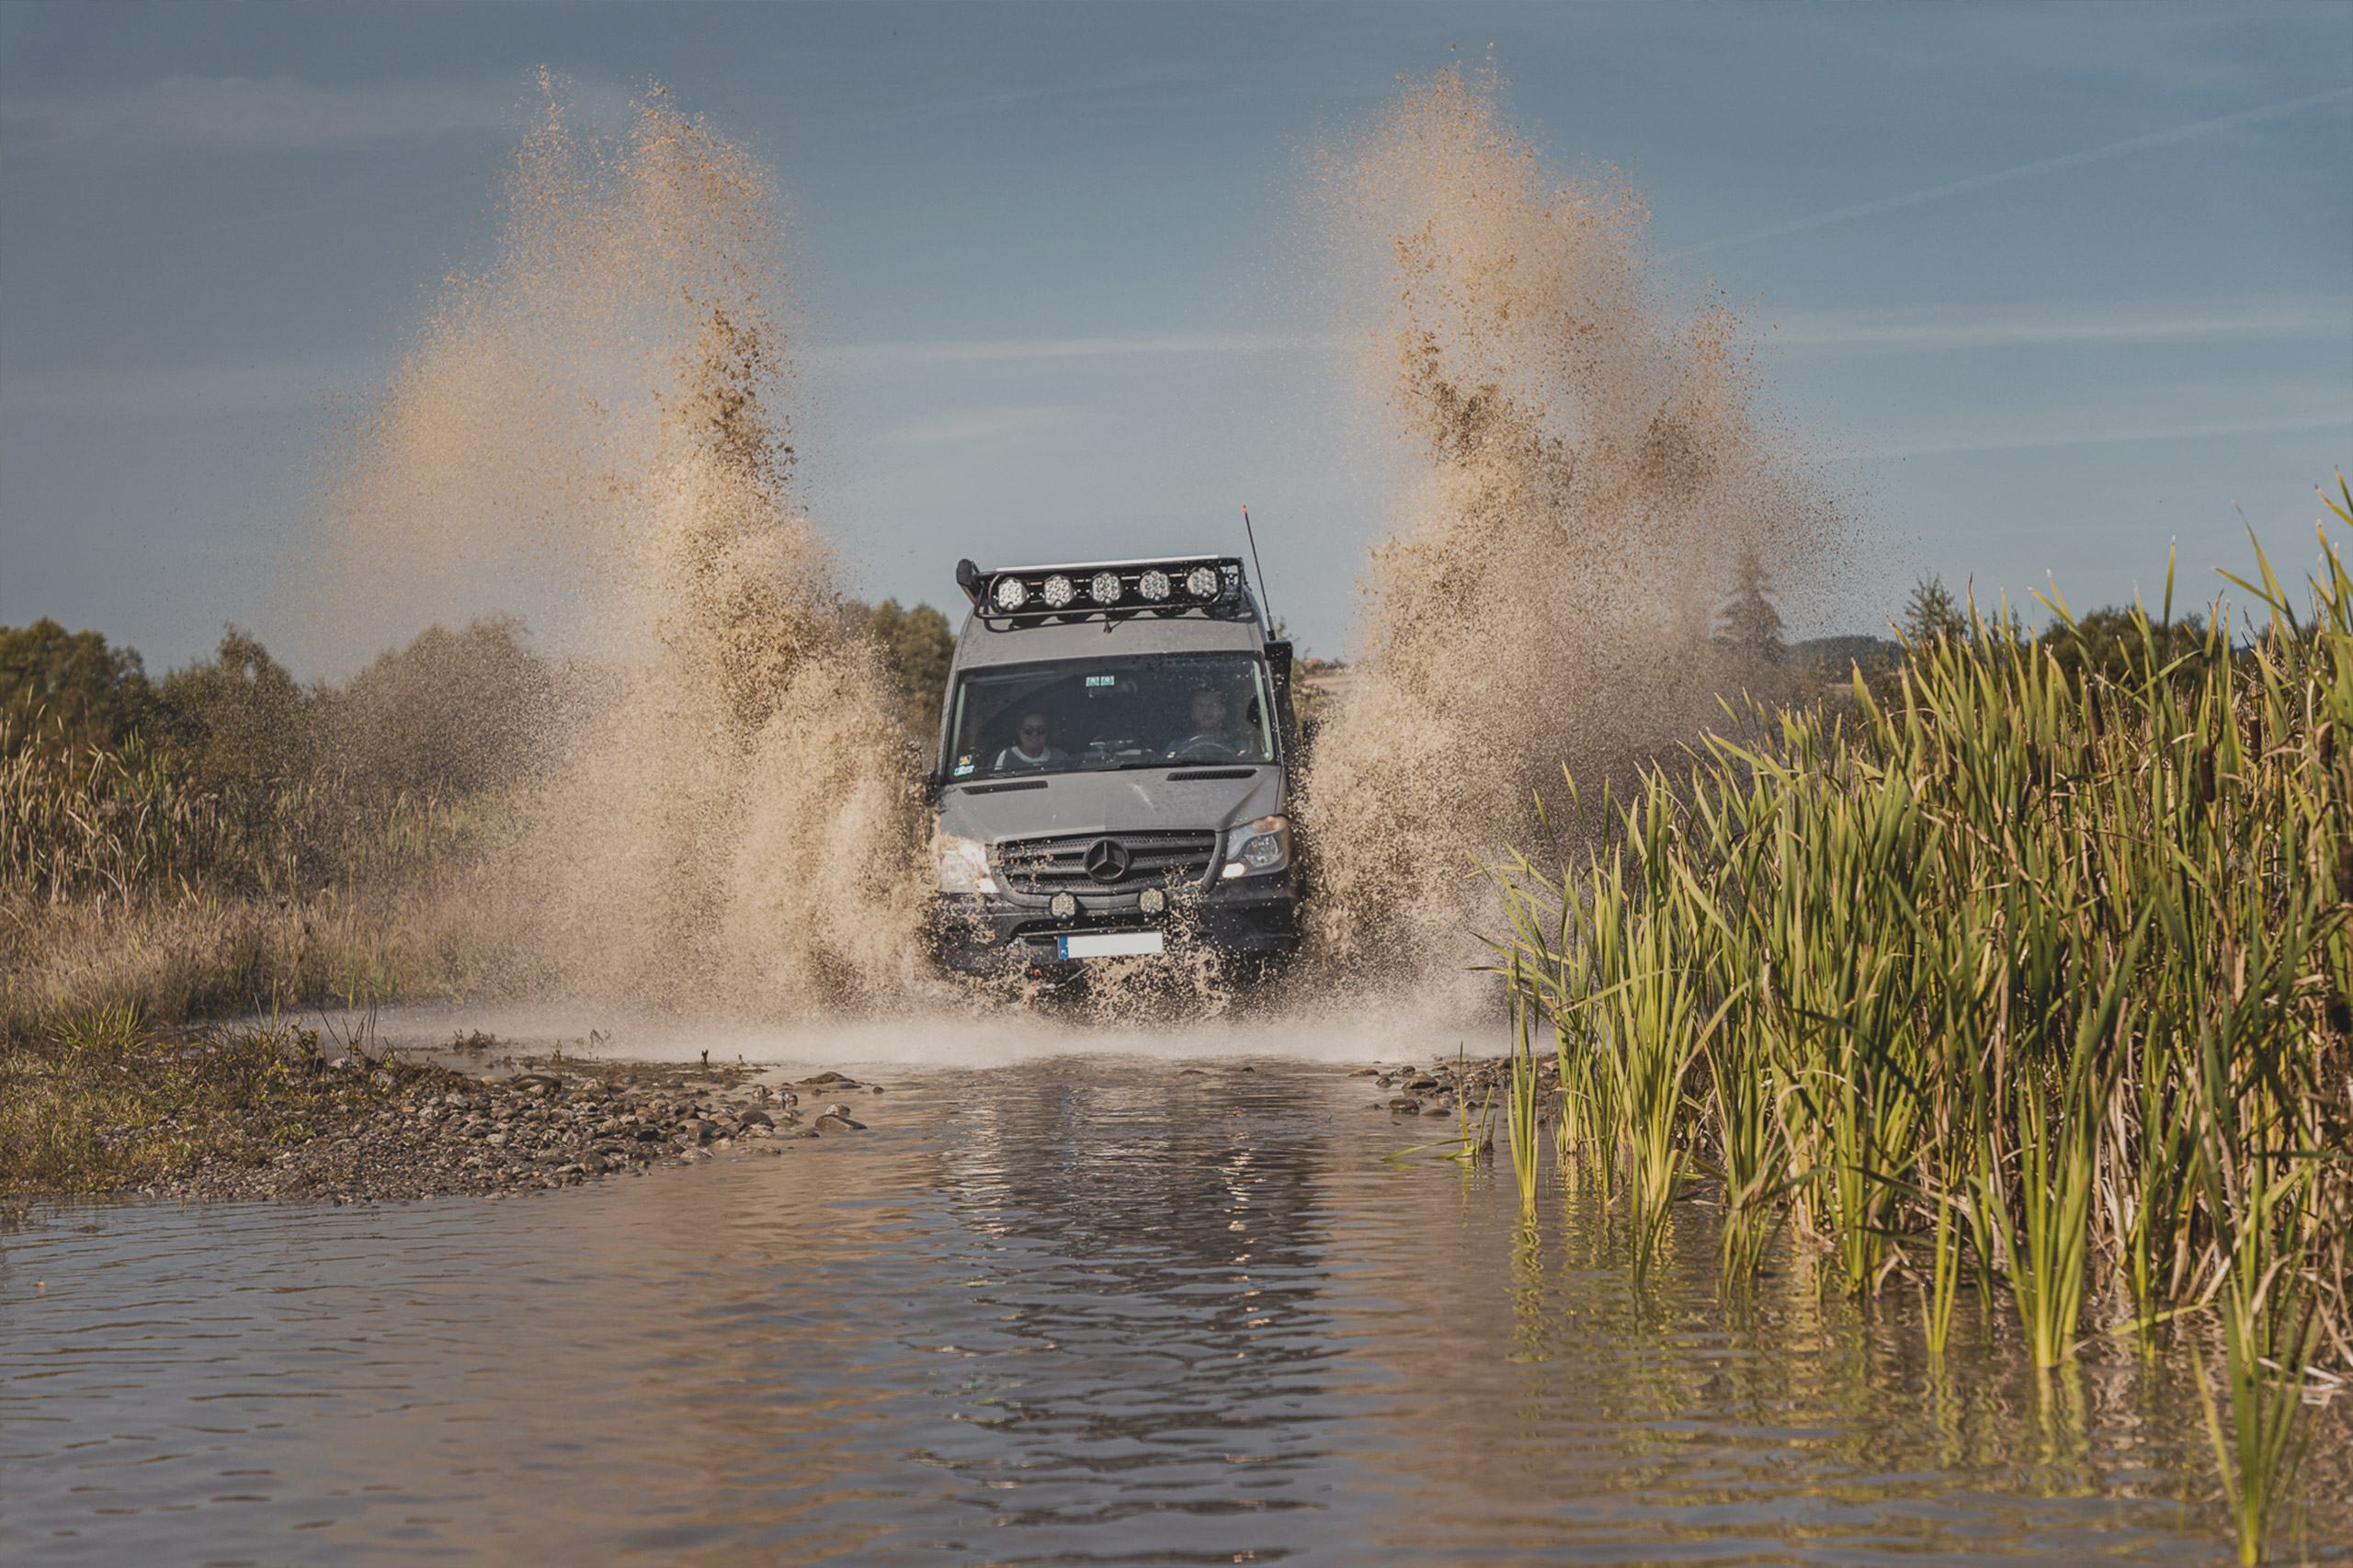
(1210, 585)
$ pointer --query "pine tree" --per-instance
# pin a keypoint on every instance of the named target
(1932, 613)
(1748, 620)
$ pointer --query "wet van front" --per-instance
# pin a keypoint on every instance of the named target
(1116, 752)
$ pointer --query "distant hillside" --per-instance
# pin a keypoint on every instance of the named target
(1840, 651)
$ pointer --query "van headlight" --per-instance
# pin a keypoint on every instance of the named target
(1261, 846)
(963, 864)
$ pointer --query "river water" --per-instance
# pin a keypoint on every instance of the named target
(1077, 1309)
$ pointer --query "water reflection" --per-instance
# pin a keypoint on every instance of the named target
(1075, 1312)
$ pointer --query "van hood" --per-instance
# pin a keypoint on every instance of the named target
(1108, 803)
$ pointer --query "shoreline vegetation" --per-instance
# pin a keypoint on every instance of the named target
(2021, 988)
(225, 843)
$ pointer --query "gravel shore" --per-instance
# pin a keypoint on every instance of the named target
(531, 1125)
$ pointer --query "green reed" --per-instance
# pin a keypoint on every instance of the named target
(1523, 1110)
(2008, 977)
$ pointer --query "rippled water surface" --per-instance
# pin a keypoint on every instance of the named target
(1085, 1311)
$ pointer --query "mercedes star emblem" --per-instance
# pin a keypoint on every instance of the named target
(1108, 861)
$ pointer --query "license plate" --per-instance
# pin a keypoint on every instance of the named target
(1109, 945)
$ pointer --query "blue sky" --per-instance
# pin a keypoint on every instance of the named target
(2052, 285)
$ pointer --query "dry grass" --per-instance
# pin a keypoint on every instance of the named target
(125, 885)
(99, 1102)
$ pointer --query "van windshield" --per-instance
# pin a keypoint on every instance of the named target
(1079, 714)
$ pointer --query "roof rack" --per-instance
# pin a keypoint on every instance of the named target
(1209, 586)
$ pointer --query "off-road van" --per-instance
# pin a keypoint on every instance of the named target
(1116, 752)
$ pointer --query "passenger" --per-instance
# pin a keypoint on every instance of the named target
(1031, 750)
(1211, 738)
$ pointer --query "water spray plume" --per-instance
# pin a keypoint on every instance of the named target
(1587, 462)
(594, 427)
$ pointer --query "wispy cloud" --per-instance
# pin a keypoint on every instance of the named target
(2096, 432)
(2023, 171)
(975, 351)
(283, 113)
(2258, 319)
(980, 424)
(184, 389)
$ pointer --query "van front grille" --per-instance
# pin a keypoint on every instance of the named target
(1155, 857)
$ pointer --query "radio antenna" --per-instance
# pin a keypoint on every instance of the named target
(1252, 536)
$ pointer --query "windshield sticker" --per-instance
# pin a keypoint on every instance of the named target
(1102, 680)
(963, 765)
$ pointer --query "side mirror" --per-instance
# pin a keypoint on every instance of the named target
(1278, 665)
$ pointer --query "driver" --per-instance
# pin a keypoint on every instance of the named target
(1029, 748)
(1211, 737)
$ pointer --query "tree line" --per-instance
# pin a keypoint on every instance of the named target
(454, 712)
(448, 714)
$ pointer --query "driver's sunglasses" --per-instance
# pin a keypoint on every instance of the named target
(1033, 728)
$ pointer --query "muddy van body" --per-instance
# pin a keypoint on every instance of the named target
(1114, 775)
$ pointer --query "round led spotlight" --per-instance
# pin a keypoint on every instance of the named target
(1063, 906)
(1057, 591)
(1154, 585)
(1105, 587)
(1201, 583)
(1152, 901)
(1011, 593)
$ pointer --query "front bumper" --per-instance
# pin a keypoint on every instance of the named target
(1251, 918)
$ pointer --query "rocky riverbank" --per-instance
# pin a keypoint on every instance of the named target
(539, 1125)
(1444, 1088)
(268, 1113)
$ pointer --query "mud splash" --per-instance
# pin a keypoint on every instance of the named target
(1589, 478)
(594, 429)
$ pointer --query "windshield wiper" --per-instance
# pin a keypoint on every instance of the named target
(1195, 761)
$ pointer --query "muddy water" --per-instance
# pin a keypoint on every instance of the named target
(1085, 1310)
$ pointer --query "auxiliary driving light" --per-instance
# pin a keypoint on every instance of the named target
(1010, 594)
(1152, 901)
(1057, 591)
(1201, 583)
(1154, 585)
(1063, 906)
(1105, 587)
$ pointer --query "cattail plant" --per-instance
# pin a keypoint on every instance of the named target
(2017, 980)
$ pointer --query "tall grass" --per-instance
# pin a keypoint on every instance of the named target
(2018, 978)
(125, 883)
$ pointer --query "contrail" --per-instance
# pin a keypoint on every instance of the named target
(2024, 170)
